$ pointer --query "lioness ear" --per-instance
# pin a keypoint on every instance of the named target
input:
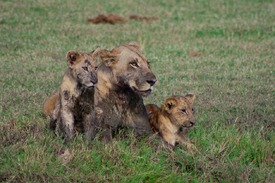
(96, 55)
(169, 104)
(135, 45)
(190, 97)
(72, 56)
(97, 51)
(108, 58)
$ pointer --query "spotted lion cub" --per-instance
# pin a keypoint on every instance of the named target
(174, 116)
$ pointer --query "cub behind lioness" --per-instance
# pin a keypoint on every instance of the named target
(175, 115)
(73, 104)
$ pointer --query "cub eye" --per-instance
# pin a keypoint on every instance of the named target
(183, 110)
(134, 64)
(96, 68)
(85, 68)
(193, 110)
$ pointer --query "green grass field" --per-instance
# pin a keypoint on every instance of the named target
(223, 51)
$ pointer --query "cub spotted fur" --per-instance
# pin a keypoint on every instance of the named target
(175, 115)
(123, 79)
(72, 105)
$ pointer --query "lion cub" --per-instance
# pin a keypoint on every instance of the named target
(175, 114)
(71, 106)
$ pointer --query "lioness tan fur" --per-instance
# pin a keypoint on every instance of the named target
(72, 105)
(176, 114)
(123, 79)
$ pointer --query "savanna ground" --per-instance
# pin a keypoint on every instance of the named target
(223, 51)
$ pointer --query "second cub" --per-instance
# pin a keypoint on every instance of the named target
(175, 115)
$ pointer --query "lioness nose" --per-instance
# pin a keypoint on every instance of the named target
(151, 81)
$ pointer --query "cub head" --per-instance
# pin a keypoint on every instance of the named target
(180, 110)
(83, 67)
(130, 68)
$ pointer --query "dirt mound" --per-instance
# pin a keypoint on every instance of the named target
(106, 19)
(114, 19)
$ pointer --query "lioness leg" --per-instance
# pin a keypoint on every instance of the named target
(107, 134)
(89, 126)
(143, 128)
(140, 124)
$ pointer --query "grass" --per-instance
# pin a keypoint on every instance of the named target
(223, 51)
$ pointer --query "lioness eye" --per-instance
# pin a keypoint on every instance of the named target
(95, 68)
(134, 64)
(85, 68)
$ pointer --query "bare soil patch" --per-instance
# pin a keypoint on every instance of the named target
(107, 19)
(115, 19)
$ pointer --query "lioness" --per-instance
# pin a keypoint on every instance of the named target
(123, 79)
(175, 115)
(73, 104)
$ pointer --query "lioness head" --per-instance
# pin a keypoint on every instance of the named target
(180, 110)
(83, 67)
(130, 68)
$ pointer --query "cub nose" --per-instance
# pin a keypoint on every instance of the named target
(151, 81)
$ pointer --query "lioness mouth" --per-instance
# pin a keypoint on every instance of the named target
(143, 92)
(90, 85)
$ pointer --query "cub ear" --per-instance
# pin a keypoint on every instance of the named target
(190, 97)
(169, 104)
(72, 56)
(108, 58)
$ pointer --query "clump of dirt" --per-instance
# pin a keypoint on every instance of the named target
(107, 19)
(143, 18)
(114, 19)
